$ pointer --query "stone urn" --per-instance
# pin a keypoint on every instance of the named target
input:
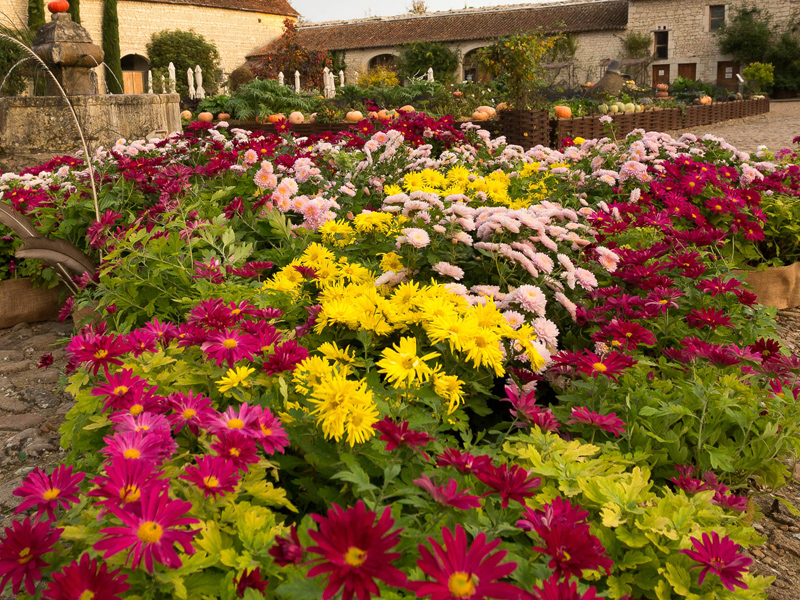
(67, 50)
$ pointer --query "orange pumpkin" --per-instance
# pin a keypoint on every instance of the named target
(662, 87)
(488, 110)
(58, 6)
(276, 117)
(354, 116)
(705, 100)
(563, 112)
(296, 118)
(407, 108)
(503, 106)
(479, 115)
(205, 117)
(386, 115)
(187, 114)
(372, 114)
(223, 116)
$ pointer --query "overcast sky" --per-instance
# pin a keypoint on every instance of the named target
(326, 10)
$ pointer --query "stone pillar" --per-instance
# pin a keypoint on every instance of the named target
(67, 50)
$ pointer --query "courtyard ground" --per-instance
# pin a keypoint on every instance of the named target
(32, 405)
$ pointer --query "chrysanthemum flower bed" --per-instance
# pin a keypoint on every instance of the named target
(413, 362)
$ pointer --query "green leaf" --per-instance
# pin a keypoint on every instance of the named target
(679, 578)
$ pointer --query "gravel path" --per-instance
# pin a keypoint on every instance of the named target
(774, 129)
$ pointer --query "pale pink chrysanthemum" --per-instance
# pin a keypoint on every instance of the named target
(250, 157)
(514, 319)
(586, 279)
(543, 262)
(417, 237)
(607, 258)
(287, 187)
(567, 303)
(449, 270)
(565, 262)
(531, 298)
(547, 332)
(265, 180)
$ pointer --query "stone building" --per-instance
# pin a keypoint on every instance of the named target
(683, 35)
(235, 27)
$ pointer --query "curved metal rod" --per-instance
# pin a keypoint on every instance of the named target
(74, 116)
(14, 66)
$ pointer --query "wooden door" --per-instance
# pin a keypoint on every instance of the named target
(133, 82)
(660, 74)
(688, 71)
(726, 74)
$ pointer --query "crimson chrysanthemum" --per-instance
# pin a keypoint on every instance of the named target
(460, 570)
(86, 579)
(511, 482)
(21, 551)
(237, 448)
(250, 580)
(396, 435)
(271, 433)
(624, 334)
(192, 411)
(48, 492)
(707, 317)
(150, 533)
(556, 588)
(721, 557)
(286, 357)
(448, 494)
(287, 551)
(355, 551)
(608, 423)
(463, 461)
(610, 365)
(717, 286)
(120, 389)
(213, 475)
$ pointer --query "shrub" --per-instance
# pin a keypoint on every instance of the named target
(378, 77)
(747, 36)
(784, 56)
(760, 77)
(185, 49)
(287, 55)
(417, 57)
(111, 51)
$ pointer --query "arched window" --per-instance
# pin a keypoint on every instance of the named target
(134, 62)
(387, 61)
(472, 68)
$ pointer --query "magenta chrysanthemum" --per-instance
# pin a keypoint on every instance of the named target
(355, 551)
(126, 481)
(511, 482)
(237, 448)
(150, 533)
(271, 433)
(86, 579)
(214, 475)
(609, 423)
(48, 492)
(463, 461)
(721, 557)
(192, 411)
(120, 389)
(448, 494)
(459, 570)
(229, 346)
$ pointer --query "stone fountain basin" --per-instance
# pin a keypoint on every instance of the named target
(43, 125)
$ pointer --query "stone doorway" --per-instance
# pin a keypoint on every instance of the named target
(660, 74)
(726, 74)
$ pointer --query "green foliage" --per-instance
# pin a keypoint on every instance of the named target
(637, 45)
(759, 76)
(417, 57)
(262, 97)
(785, 56)
(111, 51)
(520, 58)
(185, 49)
(747, 36)
(378, 77)
(214, 104)
(35, 14)
(781, 245)
(288, 55)
(10, 55)
(75, 10)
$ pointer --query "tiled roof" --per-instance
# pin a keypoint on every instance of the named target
(470, 24)
(270, 7)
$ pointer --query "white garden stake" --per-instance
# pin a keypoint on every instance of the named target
(190, 79)
(172, 81)
(149, 82)
(341, 78)
(297, 81)
(280, 78)
(198, 76)
(430, 73)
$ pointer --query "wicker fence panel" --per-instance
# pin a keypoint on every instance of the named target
(526, 128)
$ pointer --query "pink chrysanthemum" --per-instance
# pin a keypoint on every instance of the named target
(271, 433)
(721, 557)
(465, 462)
(401, 435)
(192, 411)
(609, 423)
(134, 446)
(150, 533)
(214, 475)
(459, 570)
(355, 551)
(237, 448)
(448, 494)
(229, 346)
(21, 551)
(243, 419)
(49, 492)
(286, 357)
(126, 481)
(86, 579)
(120, 389)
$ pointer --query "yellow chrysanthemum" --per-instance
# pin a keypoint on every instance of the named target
(450, 388)
(402, 366)
(373, 221)
(391, 262)
(337, 233)
(310, 373)
(392, 190)
(235, 378)
(360, 421)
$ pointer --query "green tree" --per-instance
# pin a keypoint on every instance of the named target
(748, 35)
(185, 49)
(35, 14)
(10, 55)
(785, 56)
(417, 57)
(288, 55)
(111, 54)
(760, 76)
(75, 10)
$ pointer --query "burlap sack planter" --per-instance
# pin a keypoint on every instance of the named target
(777, 286)
(20, 302)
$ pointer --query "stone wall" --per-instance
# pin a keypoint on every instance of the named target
(235, 33)
(687, 21)
(592, 49)
(44, 125)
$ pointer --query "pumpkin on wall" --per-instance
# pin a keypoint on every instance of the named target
(563, 112)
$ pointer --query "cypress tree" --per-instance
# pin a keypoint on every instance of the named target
(35, 14)
(75, 10)
(111, 53)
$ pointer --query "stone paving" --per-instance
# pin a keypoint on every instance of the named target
(774, 129)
